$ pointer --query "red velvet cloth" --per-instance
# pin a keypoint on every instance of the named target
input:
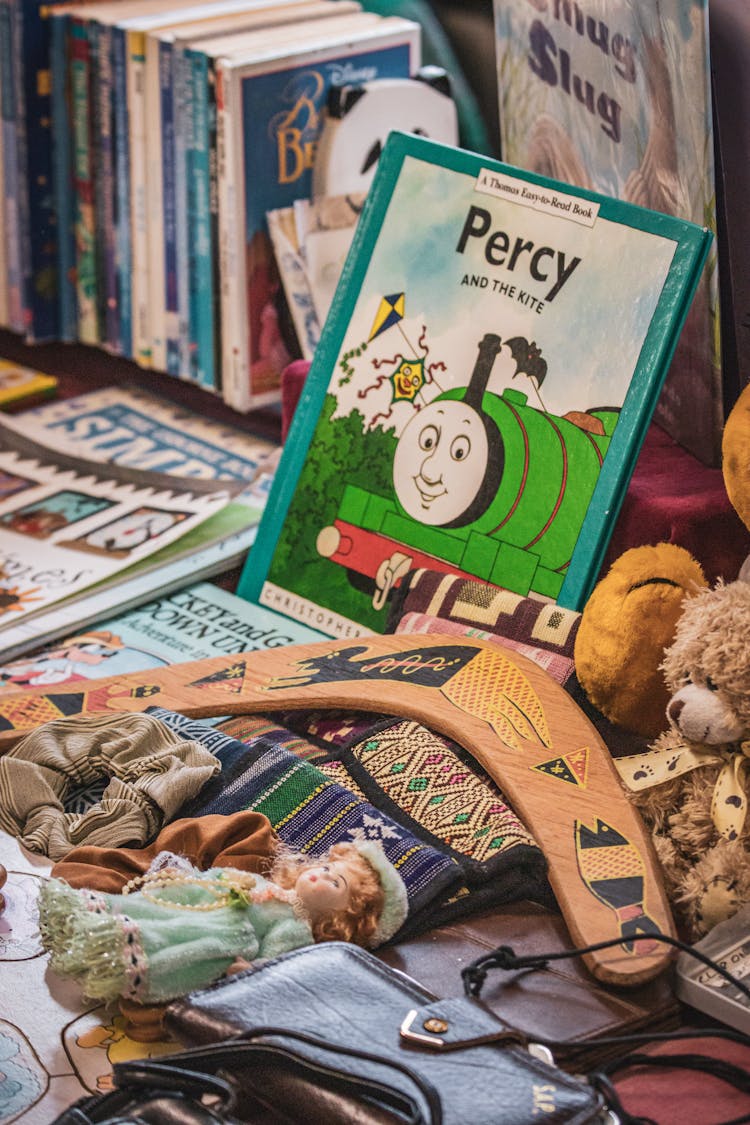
(678, 1096)
(672, 498)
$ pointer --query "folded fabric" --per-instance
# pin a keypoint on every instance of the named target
(542, 628)
(310, 811)
(413, 773)
(152, 772)
(320, 733)
(430, 785)
(244, 841)
(558, 666)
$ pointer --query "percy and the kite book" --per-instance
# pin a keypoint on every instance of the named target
(483, 383)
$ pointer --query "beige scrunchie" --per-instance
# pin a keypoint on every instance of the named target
(152, 770)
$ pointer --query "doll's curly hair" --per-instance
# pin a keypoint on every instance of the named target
(358, 920)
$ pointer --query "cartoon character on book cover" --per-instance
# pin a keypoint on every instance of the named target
(84, 656)
(475, 395)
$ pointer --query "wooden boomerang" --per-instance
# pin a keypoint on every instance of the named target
(506, 711)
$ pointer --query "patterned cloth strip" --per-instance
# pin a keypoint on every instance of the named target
(429, 784)
(559, 667)
(425, 777)
(478, 605)
(310, 812)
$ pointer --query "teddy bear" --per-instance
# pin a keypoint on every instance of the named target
(692, 783)
(659, 650)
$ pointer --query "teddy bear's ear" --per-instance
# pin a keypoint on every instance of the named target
(735, 452)
(744, 575)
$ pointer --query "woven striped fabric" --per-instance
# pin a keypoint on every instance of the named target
(311, 811)
(428, 784)
(430, 601)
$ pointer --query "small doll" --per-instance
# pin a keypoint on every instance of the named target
(177, 928)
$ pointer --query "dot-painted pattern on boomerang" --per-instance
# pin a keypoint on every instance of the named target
(612, 868)
(492, 688)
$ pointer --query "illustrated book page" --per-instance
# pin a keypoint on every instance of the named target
(56, 1046)
(615, 96)
(188, 624)
(159, 575)
(129, 426)
(66, 523)
(484, 381)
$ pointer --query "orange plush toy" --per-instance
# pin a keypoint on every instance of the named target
(625, 627)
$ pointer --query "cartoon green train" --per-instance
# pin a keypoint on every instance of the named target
(485, 486)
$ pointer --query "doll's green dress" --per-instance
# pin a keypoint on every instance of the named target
(179, 931)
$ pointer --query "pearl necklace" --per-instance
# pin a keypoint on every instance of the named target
(238, 890)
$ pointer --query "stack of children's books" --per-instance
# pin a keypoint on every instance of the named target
(112, 497)
(174, 129)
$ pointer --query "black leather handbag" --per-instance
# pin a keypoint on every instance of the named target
(316, 1036)
(330, 1035)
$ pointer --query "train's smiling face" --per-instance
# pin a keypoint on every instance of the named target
(441, 462)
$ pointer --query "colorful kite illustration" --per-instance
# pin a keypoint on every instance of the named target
(390, 312)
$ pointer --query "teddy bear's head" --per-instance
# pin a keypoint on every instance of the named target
(707, 666)
(625, 626)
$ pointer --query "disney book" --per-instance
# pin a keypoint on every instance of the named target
(483, 383)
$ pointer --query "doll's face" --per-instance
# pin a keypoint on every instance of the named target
(324, 889)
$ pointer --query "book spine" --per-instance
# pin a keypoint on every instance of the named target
(235, 374)
(154, 207)
(10, 169)
(168, 206)
(104, 183)
(120, 127)
(97, 189)
(183, 138)
(88, 332)
(37, 228)
(3, 262)
(62, 176)
(201, 265)
(213, 212)
(136, 76)
(22, 191)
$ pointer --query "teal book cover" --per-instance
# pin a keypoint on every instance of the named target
(484, 381)
(615, 96)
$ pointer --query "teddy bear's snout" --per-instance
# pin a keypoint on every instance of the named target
(673, 709)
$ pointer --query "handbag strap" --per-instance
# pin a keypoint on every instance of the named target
(156, 1074)
(277, 1043)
